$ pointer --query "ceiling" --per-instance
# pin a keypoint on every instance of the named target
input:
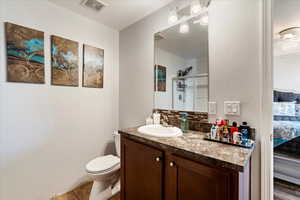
(188, 46)
(118, 14)
(286, 15)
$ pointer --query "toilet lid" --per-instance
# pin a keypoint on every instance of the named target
(102, 163)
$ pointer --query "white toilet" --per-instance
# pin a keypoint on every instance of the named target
(105, 172)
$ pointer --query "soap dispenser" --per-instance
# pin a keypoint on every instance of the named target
(156, 118)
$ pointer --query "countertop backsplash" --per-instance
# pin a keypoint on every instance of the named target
(198, 121)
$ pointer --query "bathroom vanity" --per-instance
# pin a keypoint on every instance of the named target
(184, 168)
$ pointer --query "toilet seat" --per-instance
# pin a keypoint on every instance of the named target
(102, 164)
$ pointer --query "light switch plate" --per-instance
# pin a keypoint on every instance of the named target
(232, 108)
(212, 108)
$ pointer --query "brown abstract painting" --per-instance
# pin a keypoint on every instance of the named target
(25, 54)
(160, 78)
(64, 62)
(93, 67)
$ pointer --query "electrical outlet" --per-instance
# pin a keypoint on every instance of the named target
(232, 108)
(212, 108)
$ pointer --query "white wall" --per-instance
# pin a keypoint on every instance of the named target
(286, 72)
(49, 133)
(173, 63)
(235, 65)
(1, 116)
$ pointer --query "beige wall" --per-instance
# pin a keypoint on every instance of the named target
(235, 65)
(49, 133)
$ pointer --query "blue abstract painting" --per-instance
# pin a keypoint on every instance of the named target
(25, 54)
(160, 78)
(64, 58)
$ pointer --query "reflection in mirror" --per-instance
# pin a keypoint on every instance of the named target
(181, 67)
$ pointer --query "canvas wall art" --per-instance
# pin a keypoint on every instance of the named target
(93, 67)
(25, 54)
(160, 77)
(64, 62)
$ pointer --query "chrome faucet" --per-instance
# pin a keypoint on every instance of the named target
(165, 120)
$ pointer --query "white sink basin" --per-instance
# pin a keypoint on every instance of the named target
(160, 131)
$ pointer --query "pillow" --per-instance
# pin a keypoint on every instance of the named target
(285, 108)
(297, 110)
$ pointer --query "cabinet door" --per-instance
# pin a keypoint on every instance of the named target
(142, 172)
(188, 180)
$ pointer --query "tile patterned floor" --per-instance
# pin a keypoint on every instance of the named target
(286, 191)
(80, 193)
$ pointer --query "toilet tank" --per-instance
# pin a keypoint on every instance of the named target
(117, 138)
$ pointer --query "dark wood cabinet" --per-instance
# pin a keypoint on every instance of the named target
(142, 172)
(152, 174)
(192, 180)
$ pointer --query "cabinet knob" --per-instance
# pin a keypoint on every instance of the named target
(172, 164)
(157, 159)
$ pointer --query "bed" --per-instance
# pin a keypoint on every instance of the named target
(286, 130)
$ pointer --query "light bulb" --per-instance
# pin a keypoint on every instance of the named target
(195, 7)
(288, 36)
(184, 28)
(204, 20)
(173, 17)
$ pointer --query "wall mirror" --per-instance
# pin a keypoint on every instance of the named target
(182, 67)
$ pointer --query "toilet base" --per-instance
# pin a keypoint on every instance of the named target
(102, 191)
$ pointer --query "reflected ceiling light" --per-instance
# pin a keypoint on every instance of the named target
(184, 28)
(292, 33)
(196, 7)
(204, 19)
(173, 16)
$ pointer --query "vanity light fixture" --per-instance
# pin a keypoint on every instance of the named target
(173, 16)
(204, 19)
(292, 33)
(196, 7)
(184, 28)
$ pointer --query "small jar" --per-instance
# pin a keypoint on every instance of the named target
(184, 124)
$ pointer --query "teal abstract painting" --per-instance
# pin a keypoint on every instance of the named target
(160, 78)
(64, 62)
(25, 54)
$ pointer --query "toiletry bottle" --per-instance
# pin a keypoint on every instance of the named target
(237, 137)
(233, 129)
(213, 131)
(220, 130)
(245, 130)
(184, 124)
(149, 120)
(225, 131)
(156, 118)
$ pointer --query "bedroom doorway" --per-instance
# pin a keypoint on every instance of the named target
(286, 99)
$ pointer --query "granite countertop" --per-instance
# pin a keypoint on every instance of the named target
(194, 146)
